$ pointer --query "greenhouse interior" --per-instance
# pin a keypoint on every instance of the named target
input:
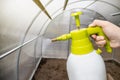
(26, 30)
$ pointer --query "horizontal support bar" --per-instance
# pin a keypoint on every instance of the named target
(16, 48)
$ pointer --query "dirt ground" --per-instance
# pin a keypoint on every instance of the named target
(114, 69)
(55, 69)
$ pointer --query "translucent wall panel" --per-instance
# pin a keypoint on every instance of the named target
(27, 61)
(59, 11)
(36, 26)
(106, 11)
(81, 4)
(72, 1)
(57, 27)
(45, 2)
(104, 7)
(54, 6)
(86, 18)
(8, 67)
(15, 17)
(116, 55)
(106, 55)
(44, 27)
(38, 49)
(113, 2)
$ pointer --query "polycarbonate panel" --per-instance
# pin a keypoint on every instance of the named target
(57, 13)
(114, 2)
(45, 2)
(36, 26)
(106, 10)
(42, 31)
(27, 61)
(40, 21)
(38, 49)
(57, 27)
(116, 55)
(72, 1)
(81, 4)
(54, 6)
(86, 18)
(15, 17)
(8, 66)
(106, 55)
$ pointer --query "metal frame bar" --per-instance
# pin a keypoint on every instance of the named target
(16, 48)
(35, 69)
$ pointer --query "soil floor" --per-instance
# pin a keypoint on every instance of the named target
(55, 69)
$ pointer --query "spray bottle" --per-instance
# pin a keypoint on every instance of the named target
(84, 62)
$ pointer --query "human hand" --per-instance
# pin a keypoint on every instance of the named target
(110, 30)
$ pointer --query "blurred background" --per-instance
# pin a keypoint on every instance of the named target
(27, 27)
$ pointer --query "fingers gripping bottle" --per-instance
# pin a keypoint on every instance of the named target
(84, 63)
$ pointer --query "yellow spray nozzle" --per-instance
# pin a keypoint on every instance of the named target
(77, 20)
